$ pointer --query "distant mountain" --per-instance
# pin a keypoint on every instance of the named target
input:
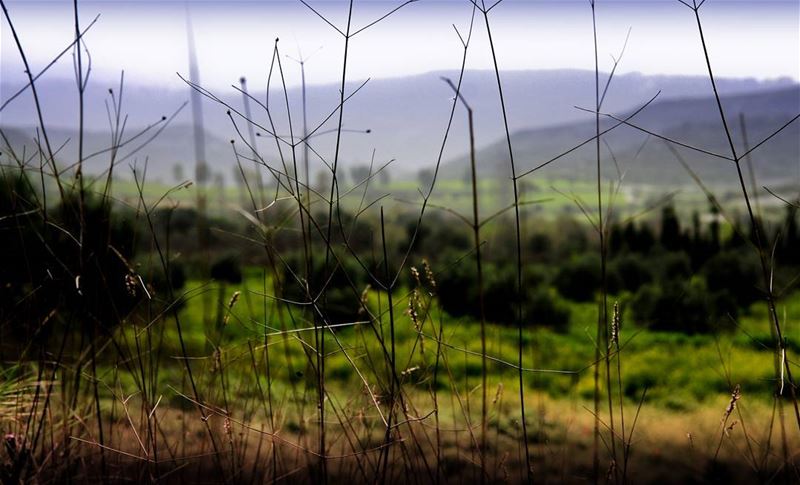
(161, 153)
(407, 116)
(692, 121)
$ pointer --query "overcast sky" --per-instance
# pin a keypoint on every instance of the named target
(148, 39)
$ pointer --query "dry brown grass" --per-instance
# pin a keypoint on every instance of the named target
(668, 447)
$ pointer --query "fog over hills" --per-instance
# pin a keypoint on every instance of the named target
(644, 158)
(408, 116)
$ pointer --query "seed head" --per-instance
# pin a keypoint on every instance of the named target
(429, 274)
(615, 324)
(413, 305)
(130, 284)
(730, 428)
(409, 370)
(227, 426)
(415, 274)
(231, 303)
(499, 394)
(364, 299)
(216, 358)
(736, 394)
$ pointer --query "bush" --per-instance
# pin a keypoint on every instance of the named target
(735, 274)
(457, 287)
(579, 279)
(44, 268)
(546, 308)
(435, 233)
(673, 266)
(158, 282)
(458, 295)
(500, 293)
(630, 272)
(673, 306)
(342, 298)
(227, 269)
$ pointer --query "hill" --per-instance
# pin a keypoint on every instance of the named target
(694, 121)
(397, 111)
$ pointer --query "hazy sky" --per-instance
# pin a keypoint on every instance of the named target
(148, 38)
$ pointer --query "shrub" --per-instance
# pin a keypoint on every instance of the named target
(631, 272)
(735, 274)
(673, 266)
(177, 278)
(91, 281)
(500, 293)
(673, 306)
(579, 279)
(342, 298)
(457, 287)
(458, 295)
(546, 308)
(227, 269)
(437, 232)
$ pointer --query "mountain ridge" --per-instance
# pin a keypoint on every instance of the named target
(396, 110)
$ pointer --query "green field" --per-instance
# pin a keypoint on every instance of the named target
(679, 371)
